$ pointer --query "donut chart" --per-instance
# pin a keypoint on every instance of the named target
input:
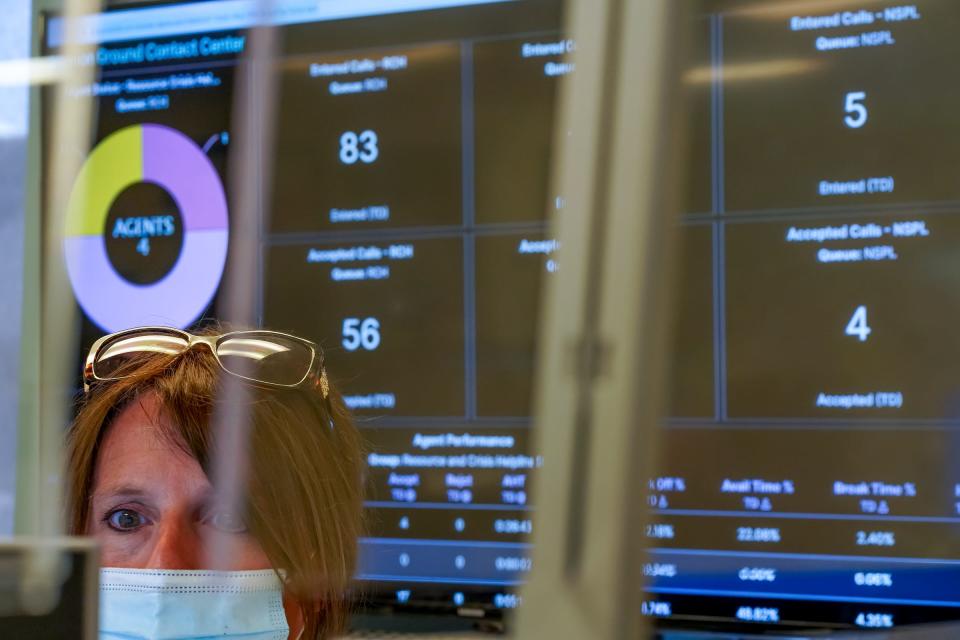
(163, 156)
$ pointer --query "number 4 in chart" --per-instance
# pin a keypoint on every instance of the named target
(858, 326)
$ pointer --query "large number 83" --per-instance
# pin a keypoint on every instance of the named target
(359, 147)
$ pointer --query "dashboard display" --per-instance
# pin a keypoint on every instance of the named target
(857, 71)
(808, 472)
(405, 228)
(373, 298)
(836, 277)
(507, 317)
(820, 488)
(514, 93)
(369, 139)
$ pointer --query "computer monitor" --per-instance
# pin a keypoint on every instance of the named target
(48, 588)
(807, 476)
(406, 229)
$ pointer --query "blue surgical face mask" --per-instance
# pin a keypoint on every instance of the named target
(153, 604)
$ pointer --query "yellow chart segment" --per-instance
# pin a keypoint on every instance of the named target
(115, 164)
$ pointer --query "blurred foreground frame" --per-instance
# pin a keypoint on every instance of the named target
(602, 357)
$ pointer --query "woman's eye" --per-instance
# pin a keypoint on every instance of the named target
(125, 520)
(228, 522)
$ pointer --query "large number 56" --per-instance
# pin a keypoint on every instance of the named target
(359, 333)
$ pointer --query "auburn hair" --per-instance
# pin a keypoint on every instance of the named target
(303, 494)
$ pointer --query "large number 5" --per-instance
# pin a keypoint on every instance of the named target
(856, 111)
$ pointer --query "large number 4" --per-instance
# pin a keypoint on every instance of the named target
(856, 111)
(858, 327)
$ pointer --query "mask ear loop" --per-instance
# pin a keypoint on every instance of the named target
(282, 573)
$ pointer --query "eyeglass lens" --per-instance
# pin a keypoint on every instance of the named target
(264, 357)
(126, 352)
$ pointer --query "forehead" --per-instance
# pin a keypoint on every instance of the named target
(137, 450)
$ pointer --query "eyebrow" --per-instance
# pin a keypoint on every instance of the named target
(125, 491)
(131, 492)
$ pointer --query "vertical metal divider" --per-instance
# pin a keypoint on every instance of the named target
(600, 381)
(720, 230)
(71, 135)
(469, 229)
(28, 431)
(263, 193)
(715, 225)
(254, 109)
(48, 324)
(590, 348)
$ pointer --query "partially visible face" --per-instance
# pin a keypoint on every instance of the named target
(152, 506)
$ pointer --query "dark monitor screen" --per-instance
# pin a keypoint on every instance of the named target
(807, 476)
(405, 230)
(48, 588)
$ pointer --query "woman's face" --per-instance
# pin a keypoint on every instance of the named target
(152, 506)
